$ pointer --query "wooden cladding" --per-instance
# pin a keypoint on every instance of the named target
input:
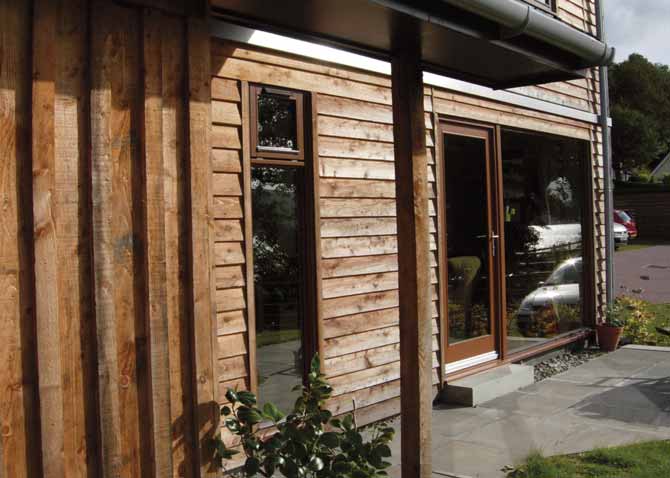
(98, 326)
(126, 273)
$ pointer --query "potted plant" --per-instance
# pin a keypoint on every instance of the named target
(609, 332)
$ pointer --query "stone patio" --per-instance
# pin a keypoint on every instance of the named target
(616, 399)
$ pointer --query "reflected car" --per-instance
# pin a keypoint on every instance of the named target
(561, 288)
(620, 234)
(623, 218)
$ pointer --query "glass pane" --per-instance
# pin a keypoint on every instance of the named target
(278, 278)
(544, 203)
(277, 121)
(467, 238)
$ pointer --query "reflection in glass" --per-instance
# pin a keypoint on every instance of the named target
(543, 204)
(467, 238)
(278, 274)
(277, 121)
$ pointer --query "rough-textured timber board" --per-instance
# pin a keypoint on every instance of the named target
(154, 234)
(18, 408)
(201, 240)
(67, 397)
(175, 185)
(115, 79)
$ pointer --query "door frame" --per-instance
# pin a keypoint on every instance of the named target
(497, 298)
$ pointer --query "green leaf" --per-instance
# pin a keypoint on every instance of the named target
(251, 466)
(348, 422)
(315, 366)
(249, 415)
(330, 439)
(383, 450)
(225, 411)
(316, 464)
(247, 398)
(231, 396)
(271, 412)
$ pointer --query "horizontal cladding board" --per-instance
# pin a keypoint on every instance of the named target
(348, 266)
(233, 322)
(357, 342)
(229, 276)
(227, 184)
(230, 299)
(226, 112)
(227, 208)
(232, 367)
(226, 161)
(235, 68)
(228, 230)
(228, 137)
(366, 359)
(232, 345)
(376, 319)
(343, 286)
(225, 90)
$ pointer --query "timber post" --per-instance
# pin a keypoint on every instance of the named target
(411, 170)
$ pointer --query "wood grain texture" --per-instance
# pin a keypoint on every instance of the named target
(19, 410)
(202, 236)
(413, 251)
(114, 154)
(155, 243)
(174, 139)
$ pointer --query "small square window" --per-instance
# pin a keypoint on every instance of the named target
(277, 123)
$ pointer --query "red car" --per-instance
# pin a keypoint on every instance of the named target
(622, 217)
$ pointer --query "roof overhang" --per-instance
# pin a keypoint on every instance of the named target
(496, 43)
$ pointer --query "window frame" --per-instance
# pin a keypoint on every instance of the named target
(265, 152)
(551, 8)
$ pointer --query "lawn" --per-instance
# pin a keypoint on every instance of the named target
(272, 337)
(644, 460)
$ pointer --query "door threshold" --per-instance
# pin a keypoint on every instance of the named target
(469, 362)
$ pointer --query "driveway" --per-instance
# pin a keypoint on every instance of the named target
(646, 270)
(616, 399)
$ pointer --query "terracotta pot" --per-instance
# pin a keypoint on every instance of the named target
(608, 337)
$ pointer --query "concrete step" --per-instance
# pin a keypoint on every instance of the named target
(482, 387)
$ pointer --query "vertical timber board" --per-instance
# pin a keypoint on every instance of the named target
(248, 238)
(411, 169)
(19, 413)
(201, 246)
(174, 159)
(61, 245)
(46, 220)
(115, 69)
(154, 233)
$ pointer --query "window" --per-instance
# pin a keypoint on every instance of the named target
(548, 5)
(545, 194)
(277, 123)
(284, 278)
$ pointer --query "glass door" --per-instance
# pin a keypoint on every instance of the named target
(471, 241)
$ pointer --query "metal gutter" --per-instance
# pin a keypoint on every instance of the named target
(518, 18)
(607, 162)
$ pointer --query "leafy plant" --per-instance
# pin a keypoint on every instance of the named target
(614, 316)
(308, 443)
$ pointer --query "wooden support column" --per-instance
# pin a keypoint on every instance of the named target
(411, 172)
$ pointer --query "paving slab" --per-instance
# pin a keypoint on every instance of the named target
(615, 399)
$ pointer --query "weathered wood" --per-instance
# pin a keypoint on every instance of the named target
(61, 253)
(201, 240)
(114, 96)
(364, 226)
(413, 249)
(361, 303)
(249, 275)
(173, 53)
(19, 410)
(155, 243)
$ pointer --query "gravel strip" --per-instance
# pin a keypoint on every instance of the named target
(555, 365)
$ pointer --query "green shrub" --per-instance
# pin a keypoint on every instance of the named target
(308, 443)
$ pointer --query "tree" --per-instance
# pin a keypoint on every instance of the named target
(640, 112)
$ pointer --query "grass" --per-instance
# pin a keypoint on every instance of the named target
(272, 337)
(637, 244)
(643, 460)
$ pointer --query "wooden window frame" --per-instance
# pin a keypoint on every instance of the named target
(551, 8)
(308, 211)
(263, 152)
